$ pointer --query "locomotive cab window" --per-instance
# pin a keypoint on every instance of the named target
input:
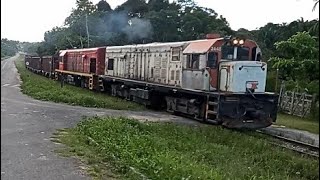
(258, 57)
(227, 52)
(243, 54)
(193, 61)
(212, 59)
(110, 64)
(253, 54)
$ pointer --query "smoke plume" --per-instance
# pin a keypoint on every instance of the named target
(115, 23)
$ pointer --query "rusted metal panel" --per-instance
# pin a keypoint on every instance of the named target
(33, 62)
(27, 60)
(49, 64)
(200, 47)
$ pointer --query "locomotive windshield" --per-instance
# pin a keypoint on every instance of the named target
(228, 52)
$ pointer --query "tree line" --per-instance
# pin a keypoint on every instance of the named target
(8, 47)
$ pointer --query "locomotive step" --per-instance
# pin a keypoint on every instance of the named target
(212, 112)
(212, 121)
(213, 103)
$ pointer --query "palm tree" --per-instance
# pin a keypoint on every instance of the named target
(315, 5)
(316, 26)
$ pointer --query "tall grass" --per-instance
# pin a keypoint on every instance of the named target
(134, 150)
(298, 123)
(42, 88)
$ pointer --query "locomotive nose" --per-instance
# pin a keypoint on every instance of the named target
(253, 119)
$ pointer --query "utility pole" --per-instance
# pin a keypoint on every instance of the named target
(277, 78)
(87, 29)
(130, 23)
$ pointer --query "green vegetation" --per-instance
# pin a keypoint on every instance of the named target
(42, 88)
(298, 123)
(8, 48)
(298, 62)
(131, 149)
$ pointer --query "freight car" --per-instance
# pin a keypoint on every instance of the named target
(44, 65)
(216, 80)
(33, 63)
(48, 65)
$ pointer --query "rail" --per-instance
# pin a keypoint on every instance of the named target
(294, 145)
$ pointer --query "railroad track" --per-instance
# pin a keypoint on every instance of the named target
(294, 145)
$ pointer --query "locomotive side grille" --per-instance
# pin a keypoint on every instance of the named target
(156, 73)
(178, 75)
(172, 75)
(163, 73)
(164, 63)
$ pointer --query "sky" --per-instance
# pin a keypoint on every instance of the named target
(28, 20)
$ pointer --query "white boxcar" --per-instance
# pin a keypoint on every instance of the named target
(162, 63)
(156, 62)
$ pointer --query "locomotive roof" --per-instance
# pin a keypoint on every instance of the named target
(79, 50)
(160, 44)
(200, 47)
(155, 44)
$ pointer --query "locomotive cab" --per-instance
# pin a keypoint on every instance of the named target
(242, 82)
(233, 69)
(240, 67)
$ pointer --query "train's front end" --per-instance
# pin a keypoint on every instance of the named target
(242, 82)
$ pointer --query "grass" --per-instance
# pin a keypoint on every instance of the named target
(298, 123)
(42, 88)
(121, 148)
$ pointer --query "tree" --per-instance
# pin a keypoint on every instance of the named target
(298, 58)
(134, 8)
(165, 25)
(103, 6)
(196, 22)
(8, 47)
(315, 28)
(158, 5)
(83, 7)
(316, 2)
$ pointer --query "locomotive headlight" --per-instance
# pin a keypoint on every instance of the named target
(235, 41)
(241, 41)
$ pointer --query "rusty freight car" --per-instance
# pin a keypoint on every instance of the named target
(33, 63)
(82, 66)
(27, 59)
(48, 65)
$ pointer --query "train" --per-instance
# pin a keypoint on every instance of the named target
(217, 80)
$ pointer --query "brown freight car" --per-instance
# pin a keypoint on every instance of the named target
(27, 59)
(48, 65)
(33, 63)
